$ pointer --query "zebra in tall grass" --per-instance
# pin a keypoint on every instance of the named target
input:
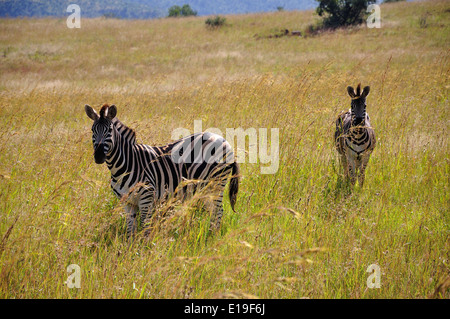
(143, 175)
(354, 136)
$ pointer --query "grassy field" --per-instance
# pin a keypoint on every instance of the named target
(296, 233)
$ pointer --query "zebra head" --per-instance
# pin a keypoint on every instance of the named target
(358, 105)
(102, 136)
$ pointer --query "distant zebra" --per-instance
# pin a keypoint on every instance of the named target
(147, 174)
(354, 137)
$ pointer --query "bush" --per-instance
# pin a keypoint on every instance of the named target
(342, 13)
(313, 30)
(185, 11)
(215, 22)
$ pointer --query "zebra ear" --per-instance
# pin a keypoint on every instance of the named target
(90, 112)
(112, 112)
(351, 91)
(365, 91)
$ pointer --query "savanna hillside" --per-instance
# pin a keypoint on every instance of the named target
(297, 233)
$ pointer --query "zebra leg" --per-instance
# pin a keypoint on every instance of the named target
(146, 215)
(362, 170)
(352, 170)
(345, 166)
(216, 206)
(131, 212)
(216, 212)
(146, 205)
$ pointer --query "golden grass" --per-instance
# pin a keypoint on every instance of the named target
(297, 233)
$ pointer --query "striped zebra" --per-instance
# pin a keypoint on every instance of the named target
(354, 137)
(144, 175)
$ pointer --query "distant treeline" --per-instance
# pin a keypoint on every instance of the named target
(143, 9)
(89, 9)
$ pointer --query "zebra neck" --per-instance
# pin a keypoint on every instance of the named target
(120, 159)
(126, 132)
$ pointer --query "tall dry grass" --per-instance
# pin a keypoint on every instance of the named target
(296, 233)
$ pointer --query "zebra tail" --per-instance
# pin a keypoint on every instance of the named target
(234, 185)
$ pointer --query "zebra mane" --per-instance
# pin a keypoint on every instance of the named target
(126, 132)
(103, 110)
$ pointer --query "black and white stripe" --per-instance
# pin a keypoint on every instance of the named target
(354, 136)
(144, 175)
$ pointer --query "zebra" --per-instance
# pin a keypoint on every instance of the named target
(142, 175)
(354, 137)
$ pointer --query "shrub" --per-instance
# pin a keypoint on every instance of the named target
(312, 30)
(215, 22)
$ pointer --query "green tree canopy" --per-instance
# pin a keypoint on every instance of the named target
(184, 11)
(174, 11)
(341, 13)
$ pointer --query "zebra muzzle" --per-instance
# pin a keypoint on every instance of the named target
(358, 121)
(99, 154)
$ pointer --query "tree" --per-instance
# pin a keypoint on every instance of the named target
(342, 13)
(185, 11)
(174, 11)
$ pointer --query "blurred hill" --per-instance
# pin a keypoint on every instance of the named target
(143, 9)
